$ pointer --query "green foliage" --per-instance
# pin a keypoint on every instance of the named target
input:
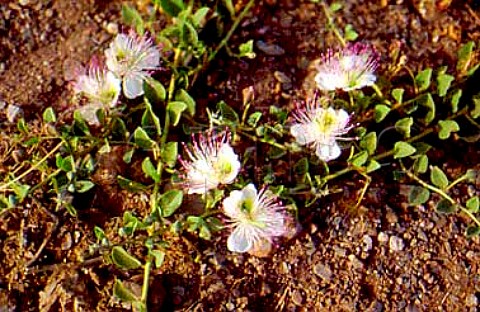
(446, 128)
(403, 149)
(438, 177)
(123, 259)
(423, 79)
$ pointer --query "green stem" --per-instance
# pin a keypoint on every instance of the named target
(439, 192)
(146, 281)
(332, 26)
(34, 167)
(256, 139)
(232, 30)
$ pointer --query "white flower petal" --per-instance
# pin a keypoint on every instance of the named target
(328, 152)
(232, 204)
(133, 86)
(228, 164)
(239, 241)
(303, 133)
(89, 113)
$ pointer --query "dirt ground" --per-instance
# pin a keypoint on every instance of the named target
(384, 256)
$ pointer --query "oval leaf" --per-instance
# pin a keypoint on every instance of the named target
(123, 293)
(176, 109)
(123, 259)
(438, 178)
(423, 79)
(402, 149)
(170, 201)
(381, 111)
(418, 195)
(446, 128)
(444, 206)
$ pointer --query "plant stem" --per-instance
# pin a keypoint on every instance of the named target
(439, 192)
(232, 30)
(146, 281)
(332, 26)
(35, 166)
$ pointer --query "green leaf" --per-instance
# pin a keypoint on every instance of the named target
(198, 18)
(397, 94)
(446, 128)
(49, 115)
(122, 292)
(229, 5)
(349, 33)
(465, 55)
(21, 190)
(170, 201)
(359, 159)
(423, 79)
(455, 100)
(79, 123)
(334, 7)
(130, 185)
(82, 186)
(404, 125)
(402, 149)
(158, 256)
(445, 206)
(381, 111)
(123, 259)
(142, 139)
(475, 112)
(67, 164)
(184, 97)
(428, 102)
(172, 7)
(189, 35)
(176, 108)
(472, 175)
(149, 169)
(301, 166)
(421, 164)
(472, 231)
(227, 113)
(22, 126)
(246, 50)
(473, 204)
(254, 118)
(131, 17)
(154, 90)
(150, 119)
(443, 83)
(99, 233)
(418, 195)
(369, 142)
(169, 154)
(438, 177)
(127, 157)
(372, 166)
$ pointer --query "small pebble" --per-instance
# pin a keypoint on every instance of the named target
(112, 28)
(322, 271)
(396, 243)
(270, 49)
(382, 237)
(230, 306)
(297, 298)
(368, 243)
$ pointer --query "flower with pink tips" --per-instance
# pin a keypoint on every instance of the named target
(131, 58)
(320, 127)
(255, 216)
(212, 161)
(102, 90)
(350, 68)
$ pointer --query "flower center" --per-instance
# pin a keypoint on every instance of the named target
(326, 122)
